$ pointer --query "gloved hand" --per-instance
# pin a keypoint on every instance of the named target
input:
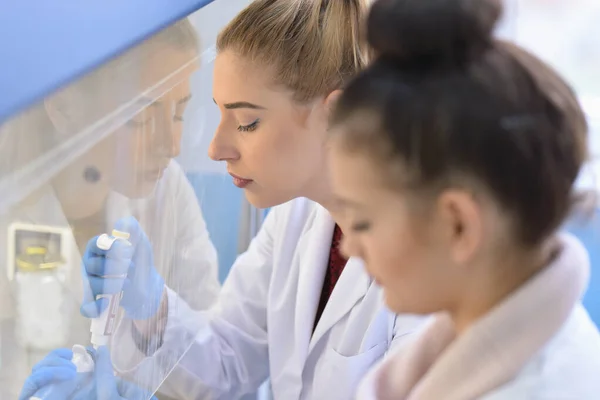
(56, 376)
(105, 386)
(56, 371)
(125, 267)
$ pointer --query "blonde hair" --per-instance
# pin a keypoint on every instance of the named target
(315, 46)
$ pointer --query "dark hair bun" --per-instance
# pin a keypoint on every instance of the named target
(436, 32)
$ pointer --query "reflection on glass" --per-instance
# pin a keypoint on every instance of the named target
(93, 154)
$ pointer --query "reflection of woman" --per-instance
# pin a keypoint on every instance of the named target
(131, 172)
(455, 157)
(136, 162)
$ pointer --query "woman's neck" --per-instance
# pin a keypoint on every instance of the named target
(326, 199)
(319, 191)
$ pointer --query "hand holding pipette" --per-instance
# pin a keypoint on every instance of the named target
(114, 264)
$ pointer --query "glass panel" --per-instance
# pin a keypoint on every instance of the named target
(123, 148)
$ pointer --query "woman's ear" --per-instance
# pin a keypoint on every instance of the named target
(332, 99)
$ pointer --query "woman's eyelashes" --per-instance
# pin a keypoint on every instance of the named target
(360, 226)
(250, 127)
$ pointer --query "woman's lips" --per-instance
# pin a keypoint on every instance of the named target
(239, 181)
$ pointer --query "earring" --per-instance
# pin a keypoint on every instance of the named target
(92, 174)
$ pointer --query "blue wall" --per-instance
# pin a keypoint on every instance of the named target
(221, 204)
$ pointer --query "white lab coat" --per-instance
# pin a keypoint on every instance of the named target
(183, 254)
(537, 344)
(263, 324)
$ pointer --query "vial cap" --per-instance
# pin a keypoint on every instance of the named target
(82, 359)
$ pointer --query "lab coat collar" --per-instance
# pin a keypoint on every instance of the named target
(313, 256)
(492, 351)
(350, 288)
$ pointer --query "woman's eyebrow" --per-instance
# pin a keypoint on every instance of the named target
(184, 100)
(347, 203)
(241, 104)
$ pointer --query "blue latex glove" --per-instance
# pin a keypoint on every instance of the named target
(142, 287)
(105, 386)
(55, 377)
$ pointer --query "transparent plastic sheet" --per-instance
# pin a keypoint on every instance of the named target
(95, 153)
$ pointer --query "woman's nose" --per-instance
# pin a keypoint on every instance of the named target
(348, 247)
(168, 136)
(221, 147)
(174, 147)
(169, 141)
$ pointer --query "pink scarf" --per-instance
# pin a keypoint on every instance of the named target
(439, 365)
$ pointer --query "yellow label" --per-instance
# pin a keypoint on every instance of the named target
(120, 235)
(36, 250)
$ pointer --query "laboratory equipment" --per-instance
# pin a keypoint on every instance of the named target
(37, 260)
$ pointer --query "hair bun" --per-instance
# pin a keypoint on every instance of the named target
(437, 32)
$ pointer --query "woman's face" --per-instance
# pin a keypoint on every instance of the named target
(132, 159)
(274, 147)
(146, 144)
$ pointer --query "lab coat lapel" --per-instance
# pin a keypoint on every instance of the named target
(350, 288)
(313, 256)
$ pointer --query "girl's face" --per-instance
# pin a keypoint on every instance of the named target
(273, 146)
(419, 251)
